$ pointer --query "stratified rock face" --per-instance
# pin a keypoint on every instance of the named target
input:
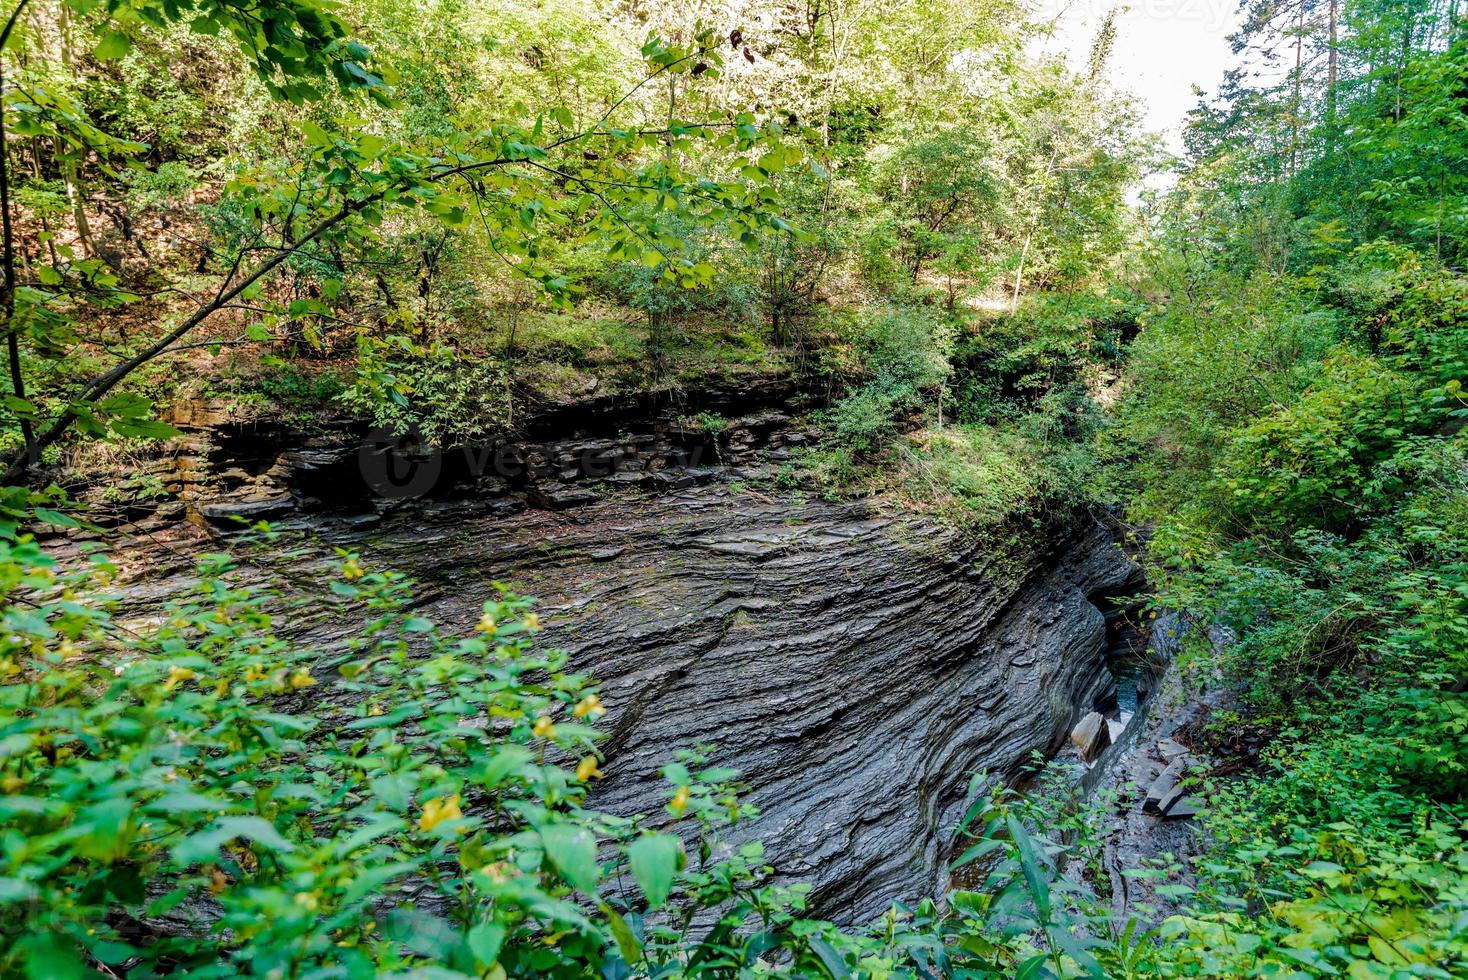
(856, 666)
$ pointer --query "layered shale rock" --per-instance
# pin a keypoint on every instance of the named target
(856, 665)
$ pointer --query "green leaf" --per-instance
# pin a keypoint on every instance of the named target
(205, 845)
(977, 851)
(1035, 879)
(507, 759)
(485, 941)
(627, 942)
(128, 406)
(317, 135)
(654, 861)
(572, 850)
(114, 45)
(394, 789)
(143, 429)
(50, 957)
(833, 961)
(15, 890)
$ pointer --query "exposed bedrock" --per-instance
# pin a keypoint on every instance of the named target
(856, 665)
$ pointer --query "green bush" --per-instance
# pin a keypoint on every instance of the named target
(445, 395)
(1346, 855)
(903, 356)
(1314, 463)
(1008, 362)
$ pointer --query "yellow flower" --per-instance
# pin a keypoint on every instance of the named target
(543, 727)
(68, 650)
(12, 784)
(375, 711)
(531, 621)
(351, 571)
(679, 802)
(499, 872)
(486, 625)
(255, 672)
(302, 678)
(587, 769)
(589, 705)
(437, 810)
(176, 676)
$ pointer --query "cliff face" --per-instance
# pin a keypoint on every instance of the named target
(856, 666)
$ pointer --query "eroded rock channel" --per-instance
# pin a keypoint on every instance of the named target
(855, 662)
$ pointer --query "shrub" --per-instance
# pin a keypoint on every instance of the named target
(1345, 855)
(903, 354)
(1314, 463)
(444, 396)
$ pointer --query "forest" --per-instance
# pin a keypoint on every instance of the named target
(237, 742)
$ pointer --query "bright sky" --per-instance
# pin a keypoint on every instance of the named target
(1163, 48)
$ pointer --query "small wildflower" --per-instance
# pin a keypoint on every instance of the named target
(307, 900)
(176, 676)
(544, 728)
(68, 650)
(437, 810)
(589, 705)
(587, 769)
(531, 621)
(12, 784)
(375, 711)
(351, 571)
(486, 625)
(679, 802)
(301, 678)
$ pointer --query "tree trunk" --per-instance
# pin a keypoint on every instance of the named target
(8, 283)
(1333, 58)
(1299, 78)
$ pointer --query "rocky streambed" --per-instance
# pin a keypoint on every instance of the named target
(856, 663)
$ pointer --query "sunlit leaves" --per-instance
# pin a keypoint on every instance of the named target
(655, 859)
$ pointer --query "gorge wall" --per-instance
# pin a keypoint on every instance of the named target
(856, 663)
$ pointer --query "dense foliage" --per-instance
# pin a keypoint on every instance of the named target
(425, 214)
(1294, 429)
